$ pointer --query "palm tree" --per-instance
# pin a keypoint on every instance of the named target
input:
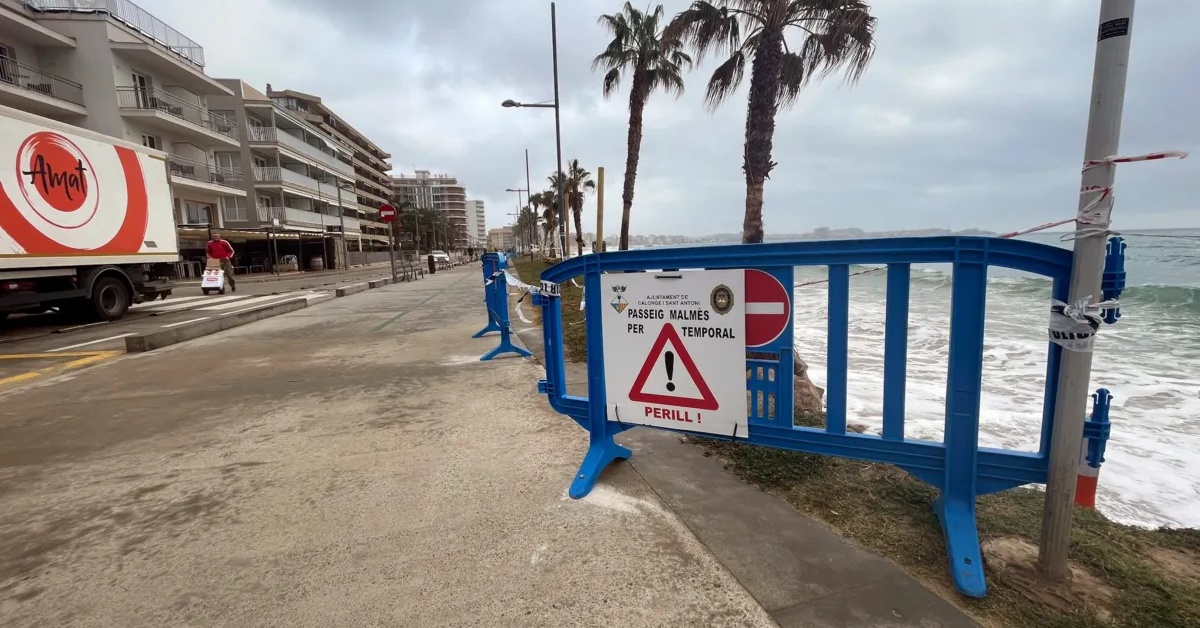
(549, 215)
(654, 62)
(575, 185)
(838, 35)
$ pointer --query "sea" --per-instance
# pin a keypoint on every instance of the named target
(1149, 361)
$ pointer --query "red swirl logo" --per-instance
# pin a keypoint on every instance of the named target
(63, 200)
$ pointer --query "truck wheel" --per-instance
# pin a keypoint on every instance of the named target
(206, 291)
(110, 298)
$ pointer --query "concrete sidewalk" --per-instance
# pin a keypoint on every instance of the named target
(799, 570)
(349, 464)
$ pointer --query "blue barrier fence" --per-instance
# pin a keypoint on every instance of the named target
(495, 298)
(957, 466)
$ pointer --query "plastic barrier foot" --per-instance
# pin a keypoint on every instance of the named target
(506, 346)
(491, 327)
(600, 454)
(962, 544)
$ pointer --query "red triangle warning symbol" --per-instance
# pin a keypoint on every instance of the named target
(638, 393)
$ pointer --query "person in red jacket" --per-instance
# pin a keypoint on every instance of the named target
(221, 249)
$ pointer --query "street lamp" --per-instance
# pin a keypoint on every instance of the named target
(562, 210)
(518, 214)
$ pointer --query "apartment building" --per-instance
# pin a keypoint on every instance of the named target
(372, 183)
(476, 223)
(441, 192)
(300, 179)
(114, 68)
(500, 238)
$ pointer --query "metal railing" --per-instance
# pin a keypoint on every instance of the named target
(267, 174)
(265, 214)
(274, 135)
(134, 17)
(263, 134)
(200, 171)
(28, 77)
(154, 99)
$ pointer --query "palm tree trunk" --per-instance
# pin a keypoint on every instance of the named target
(637, 106)
(577, 212)
(760, 131)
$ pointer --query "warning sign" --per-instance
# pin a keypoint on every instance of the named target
(675, 350)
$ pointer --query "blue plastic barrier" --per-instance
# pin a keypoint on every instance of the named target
(493, 267)
(495, 290)
(957, 466)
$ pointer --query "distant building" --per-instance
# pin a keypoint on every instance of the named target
(501, 238)
(441, 192)
(476, 223)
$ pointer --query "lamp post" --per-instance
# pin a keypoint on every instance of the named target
(562, 210)
(518, 191)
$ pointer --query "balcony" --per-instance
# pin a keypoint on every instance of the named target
(273, 135)
(134, 17)
(312, 188)
(201, 176)
(177, 118)
(304, 219)
(30, 89)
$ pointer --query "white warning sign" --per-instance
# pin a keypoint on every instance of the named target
(675, 350)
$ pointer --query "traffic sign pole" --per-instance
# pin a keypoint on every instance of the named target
(387, 214)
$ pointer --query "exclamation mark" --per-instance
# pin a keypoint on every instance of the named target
(669, 357)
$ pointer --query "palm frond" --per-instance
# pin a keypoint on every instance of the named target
(706, 27)
(612, 80)
(725, 79)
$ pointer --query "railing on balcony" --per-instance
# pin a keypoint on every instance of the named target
(134, 17)
(304, 218)
(154, 99)
(35, 80)
(270, 134)
(200, 171)
(324, 190)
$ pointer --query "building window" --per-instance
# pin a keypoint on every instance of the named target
(151, 141)
(235, 210)
(227, 161)
(195, 213)
(143, 87)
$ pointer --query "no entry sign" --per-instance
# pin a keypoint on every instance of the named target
(768, 308)
(387, 213)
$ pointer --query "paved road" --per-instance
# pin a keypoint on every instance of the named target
(348, 464)
(51, 332)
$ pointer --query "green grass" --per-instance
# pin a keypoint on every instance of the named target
(1129, 577)
(574, 332)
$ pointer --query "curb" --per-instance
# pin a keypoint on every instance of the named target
(143, 343)
(167, 337)
(353, 288)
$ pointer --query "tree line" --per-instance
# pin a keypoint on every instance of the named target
(835, 36)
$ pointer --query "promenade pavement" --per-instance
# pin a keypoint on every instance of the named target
(348, 464)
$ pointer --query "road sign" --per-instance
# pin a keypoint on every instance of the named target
(387, 213)
(669, 337)
(675, 350)
(768, 308)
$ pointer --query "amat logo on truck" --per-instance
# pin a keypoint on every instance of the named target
(63, 196)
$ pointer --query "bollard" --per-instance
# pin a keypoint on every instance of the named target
(493, 266)
(1095, 438)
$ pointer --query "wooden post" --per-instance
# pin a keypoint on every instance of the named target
(597, 246)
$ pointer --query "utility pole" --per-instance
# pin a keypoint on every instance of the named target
(1103, 137)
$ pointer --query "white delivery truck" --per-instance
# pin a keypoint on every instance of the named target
(86, 220)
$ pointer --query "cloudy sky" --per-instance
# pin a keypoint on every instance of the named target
(972, 114)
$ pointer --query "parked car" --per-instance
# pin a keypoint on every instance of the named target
(440, 256)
